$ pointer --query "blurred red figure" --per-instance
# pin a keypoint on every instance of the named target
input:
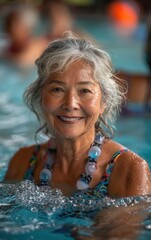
(23, 48)
(58, 18)
(124, 15)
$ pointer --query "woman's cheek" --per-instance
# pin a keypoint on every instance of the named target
(93, 104)
(47, 104)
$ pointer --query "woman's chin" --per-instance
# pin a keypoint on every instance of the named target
(69, 134)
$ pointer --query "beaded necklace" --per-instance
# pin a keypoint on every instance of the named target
(90, 168)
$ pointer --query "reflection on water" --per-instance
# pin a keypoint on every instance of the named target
(27, 210)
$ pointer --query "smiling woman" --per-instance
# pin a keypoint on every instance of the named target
(65, 101)
(76, 99)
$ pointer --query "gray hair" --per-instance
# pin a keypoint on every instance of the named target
(57, 57)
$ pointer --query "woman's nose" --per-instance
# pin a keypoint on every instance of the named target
(71, 102)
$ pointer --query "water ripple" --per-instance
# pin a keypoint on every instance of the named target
(26, 207)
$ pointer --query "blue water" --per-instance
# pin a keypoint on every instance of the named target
(134, 132)
(30, 212)
(127, 52)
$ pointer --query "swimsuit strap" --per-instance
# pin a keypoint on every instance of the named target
(29, 174)
(102, 187)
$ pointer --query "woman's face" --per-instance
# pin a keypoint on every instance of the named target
(71, 101)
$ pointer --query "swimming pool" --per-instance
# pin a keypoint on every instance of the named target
(127, 52)
(30, 212)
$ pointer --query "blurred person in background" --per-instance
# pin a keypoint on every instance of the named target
(58, 18)
(23, 47)
(18, 52)
(19, 49)
(124, 16)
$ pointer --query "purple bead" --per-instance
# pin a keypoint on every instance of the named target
(90, 168)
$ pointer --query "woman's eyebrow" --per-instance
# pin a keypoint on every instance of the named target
(56, 81)
(63, 83)
(86, 83)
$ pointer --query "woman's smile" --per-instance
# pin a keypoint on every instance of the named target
(70, 120)
(71, 100)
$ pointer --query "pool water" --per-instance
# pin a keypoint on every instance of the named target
(127, 52)
(31, 212)
(134, 132)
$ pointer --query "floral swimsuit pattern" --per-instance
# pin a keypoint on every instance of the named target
(99, 190)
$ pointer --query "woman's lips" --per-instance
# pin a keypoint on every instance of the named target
(71, 120)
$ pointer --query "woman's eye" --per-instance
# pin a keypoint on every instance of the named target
(85, 90)
(57, 91)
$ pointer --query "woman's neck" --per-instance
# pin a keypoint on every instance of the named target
(72, 152)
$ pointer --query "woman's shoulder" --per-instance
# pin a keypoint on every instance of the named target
(26, 152)
(20, 161)
(112, 148)
(126, 158)
(130, 176)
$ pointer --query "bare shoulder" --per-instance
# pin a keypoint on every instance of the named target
(19, 162)
(110, 148)
(23, 154)
(130, 176)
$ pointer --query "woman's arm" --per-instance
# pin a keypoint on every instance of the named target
(19, 164)
(130, 176)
